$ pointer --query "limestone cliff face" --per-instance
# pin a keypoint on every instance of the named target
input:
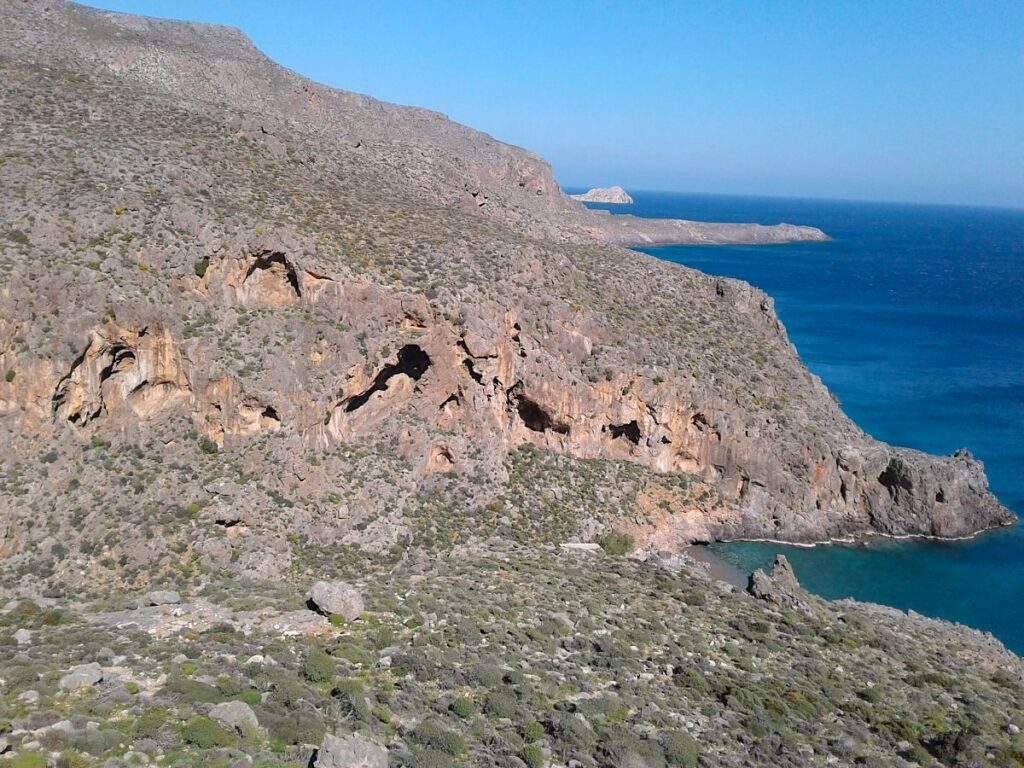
(317, 317)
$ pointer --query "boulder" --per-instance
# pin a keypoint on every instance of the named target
(23, 637)
(338, 597)
(235, 715)
(163, 597)
(350, 752)
(81, 676)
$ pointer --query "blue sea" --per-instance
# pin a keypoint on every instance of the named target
(914, 317)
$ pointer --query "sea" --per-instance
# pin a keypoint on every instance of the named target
(913, 315)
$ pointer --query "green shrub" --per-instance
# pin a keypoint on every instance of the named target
(532, 731)
(337, 620)
(463, 707)
(188, 668)
(532, 755)
(318, 667)
(353, 652)
(149, 724)
(431, 734)
(202, 732)
(9, 377)
(28, 760)
(486, 675)
(200, 267)
(194, 691)
(250, 697)
(501, 704)
(430, 758)
(296, 727)
(21, 677)
(680, 749)
(617, 544)
(132, 687)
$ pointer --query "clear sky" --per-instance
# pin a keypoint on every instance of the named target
(912, 100)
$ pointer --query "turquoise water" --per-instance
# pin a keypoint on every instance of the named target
(914, 317)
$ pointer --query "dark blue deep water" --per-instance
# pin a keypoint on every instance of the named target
(914, 317)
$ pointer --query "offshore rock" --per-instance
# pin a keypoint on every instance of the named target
(615, 195)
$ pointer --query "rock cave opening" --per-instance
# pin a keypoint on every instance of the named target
(534, 416)
(276, 262)
(412, 361)
(895, 479)
(630, 431)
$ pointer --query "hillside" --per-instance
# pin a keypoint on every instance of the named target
(256, 331)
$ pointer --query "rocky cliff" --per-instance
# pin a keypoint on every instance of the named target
(241, 310)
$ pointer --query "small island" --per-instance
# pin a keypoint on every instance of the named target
(616, 195)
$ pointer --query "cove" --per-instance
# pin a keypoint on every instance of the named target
(914, 317)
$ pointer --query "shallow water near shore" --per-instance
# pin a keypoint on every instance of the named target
(914, 317)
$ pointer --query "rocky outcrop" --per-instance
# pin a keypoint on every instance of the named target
(139, 369)
(616, 195)
(780, 586)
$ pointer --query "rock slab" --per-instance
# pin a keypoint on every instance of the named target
(81, 676)
(163, 597)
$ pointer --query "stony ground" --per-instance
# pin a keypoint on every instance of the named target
(504, 655)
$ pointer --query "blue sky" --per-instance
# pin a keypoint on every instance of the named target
(899, 100)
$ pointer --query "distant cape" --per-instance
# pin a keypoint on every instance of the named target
(605, 195)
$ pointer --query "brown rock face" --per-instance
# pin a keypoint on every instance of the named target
(140, 370)
(349, 323)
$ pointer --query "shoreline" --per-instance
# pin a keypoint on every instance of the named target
(864, 538)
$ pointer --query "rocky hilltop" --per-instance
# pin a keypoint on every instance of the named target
(615, 195)
(256, 332)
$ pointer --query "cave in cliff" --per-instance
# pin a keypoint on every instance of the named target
(630, 431)
(277, 264)
(412, 361)
(533, 414)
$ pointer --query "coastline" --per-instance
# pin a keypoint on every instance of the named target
(866, 536)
